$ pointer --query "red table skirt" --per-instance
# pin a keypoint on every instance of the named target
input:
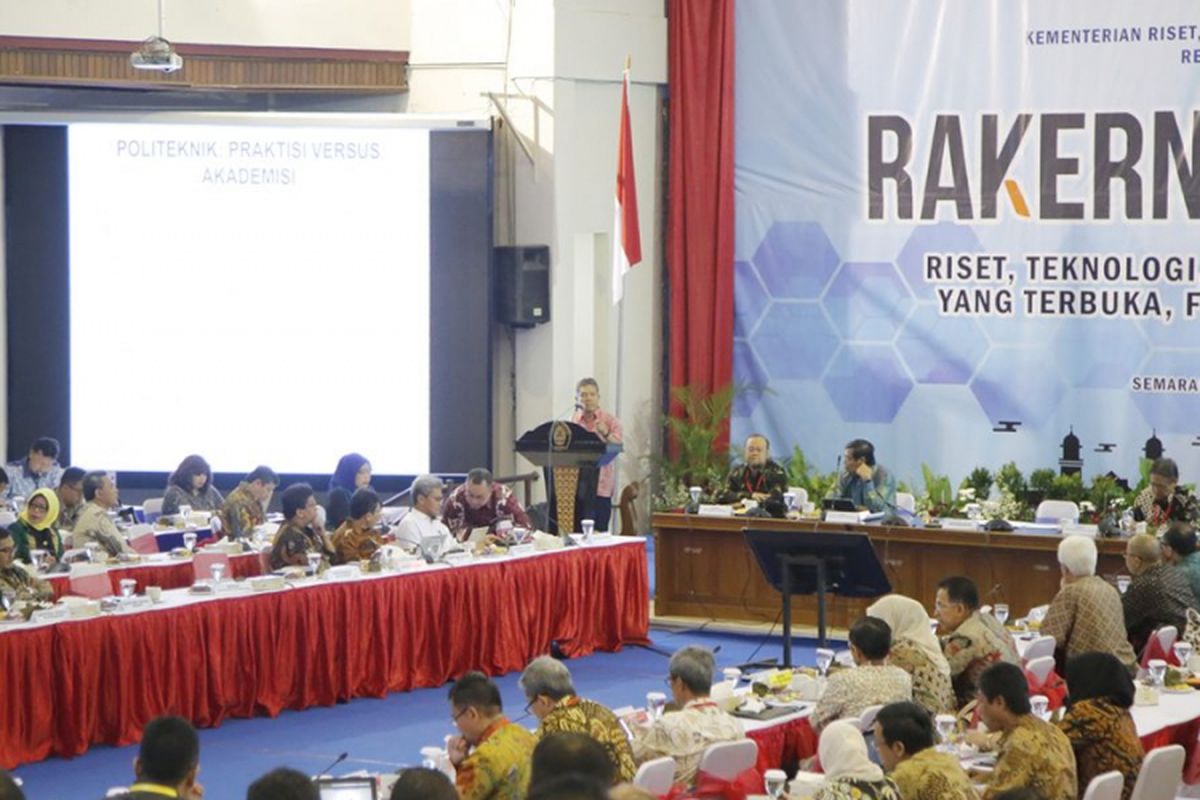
(177, 575)
(1188, 735)
(785, 744)
(81, 683)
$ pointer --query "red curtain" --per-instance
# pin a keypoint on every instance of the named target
(700, 193)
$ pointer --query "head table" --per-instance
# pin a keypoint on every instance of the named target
(241, 653)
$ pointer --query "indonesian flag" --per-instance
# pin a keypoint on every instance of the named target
(627, 241)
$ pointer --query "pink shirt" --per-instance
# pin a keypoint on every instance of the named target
(604, 488)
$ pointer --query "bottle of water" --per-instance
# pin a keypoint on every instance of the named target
(1127, 521)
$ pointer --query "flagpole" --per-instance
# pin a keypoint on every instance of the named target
(612, 525)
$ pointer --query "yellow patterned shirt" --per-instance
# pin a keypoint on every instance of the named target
(498, 766)
(1037, 755)
(575, 715)
(932, 775)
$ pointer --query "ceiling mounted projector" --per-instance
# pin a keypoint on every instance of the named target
(157, 54)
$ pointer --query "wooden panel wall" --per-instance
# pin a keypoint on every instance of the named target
(105, 63)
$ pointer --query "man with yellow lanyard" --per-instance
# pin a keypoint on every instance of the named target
(167, 763)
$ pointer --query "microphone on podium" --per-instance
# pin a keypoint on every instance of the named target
(336, 761)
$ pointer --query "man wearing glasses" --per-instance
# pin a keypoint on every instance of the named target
(492, 755)
(685, 734)
(1158, 595)
(15, 582)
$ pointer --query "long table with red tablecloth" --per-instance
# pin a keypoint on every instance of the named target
(72, 684)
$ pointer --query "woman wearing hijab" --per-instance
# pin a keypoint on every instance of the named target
(34, 528)
(849, 772)
(353, 472)
(191, 485)
(916, 651)
(1097, 720)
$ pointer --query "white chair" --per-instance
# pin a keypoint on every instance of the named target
(656, 776)
(906, 502)
(1162, 770)
(7, 518)
(1040, 648)
(727, 760)
(1106, 786)
(866, 720)
(1051, 511)
(985, 609)
(1040, 667)
(152, 508)
(1166, 636)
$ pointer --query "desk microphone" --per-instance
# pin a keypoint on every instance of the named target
(336, 761)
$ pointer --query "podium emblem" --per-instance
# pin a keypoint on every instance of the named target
(560, 436)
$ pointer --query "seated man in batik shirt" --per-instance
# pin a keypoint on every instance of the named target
(685, 734)
(480, 502)
(971, 641)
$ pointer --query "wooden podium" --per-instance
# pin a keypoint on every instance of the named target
(571, 457)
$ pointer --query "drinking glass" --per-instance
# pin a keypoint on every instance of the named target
(694, 492)
(39, 559)
(774, 780)
(1039, 706)
(824, 660)
(933, 625)
(947, 726)
(655, 703)
(1183, 654)
(1000, 612)
(314, 562)
(217, 571)
(1123, 583)
(1158, 671)
(189, 541)
(128, 586)
(732, 674)
(587, 526)
(789, 498)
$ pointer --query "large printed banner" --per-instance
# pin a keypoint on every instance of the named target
(968, 229)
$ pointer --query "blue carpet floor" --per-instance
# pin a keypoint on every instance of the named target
(379, 735)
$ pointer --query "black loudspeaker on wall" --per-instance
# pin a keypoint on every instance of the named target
(522, 285)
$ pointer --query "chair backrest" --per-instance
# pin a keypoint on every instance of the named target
(727, 760)
(985, 609)
(1051, 511)
(202, 564)
(628, 509)
(1106, 786)
(152, 506)
(656, 776)
(94, 585)
(866, 719)
(1166, 636)
(1040, 668)
(142, 539)
(906, 501)
(1161, 773)
(1040, 648)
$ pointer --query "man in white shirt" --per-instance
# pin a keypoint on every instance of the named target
(421, 526)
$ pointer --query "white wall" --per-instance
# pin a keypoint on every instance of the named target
(557, 71)
(353, 24)
(556, 66)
